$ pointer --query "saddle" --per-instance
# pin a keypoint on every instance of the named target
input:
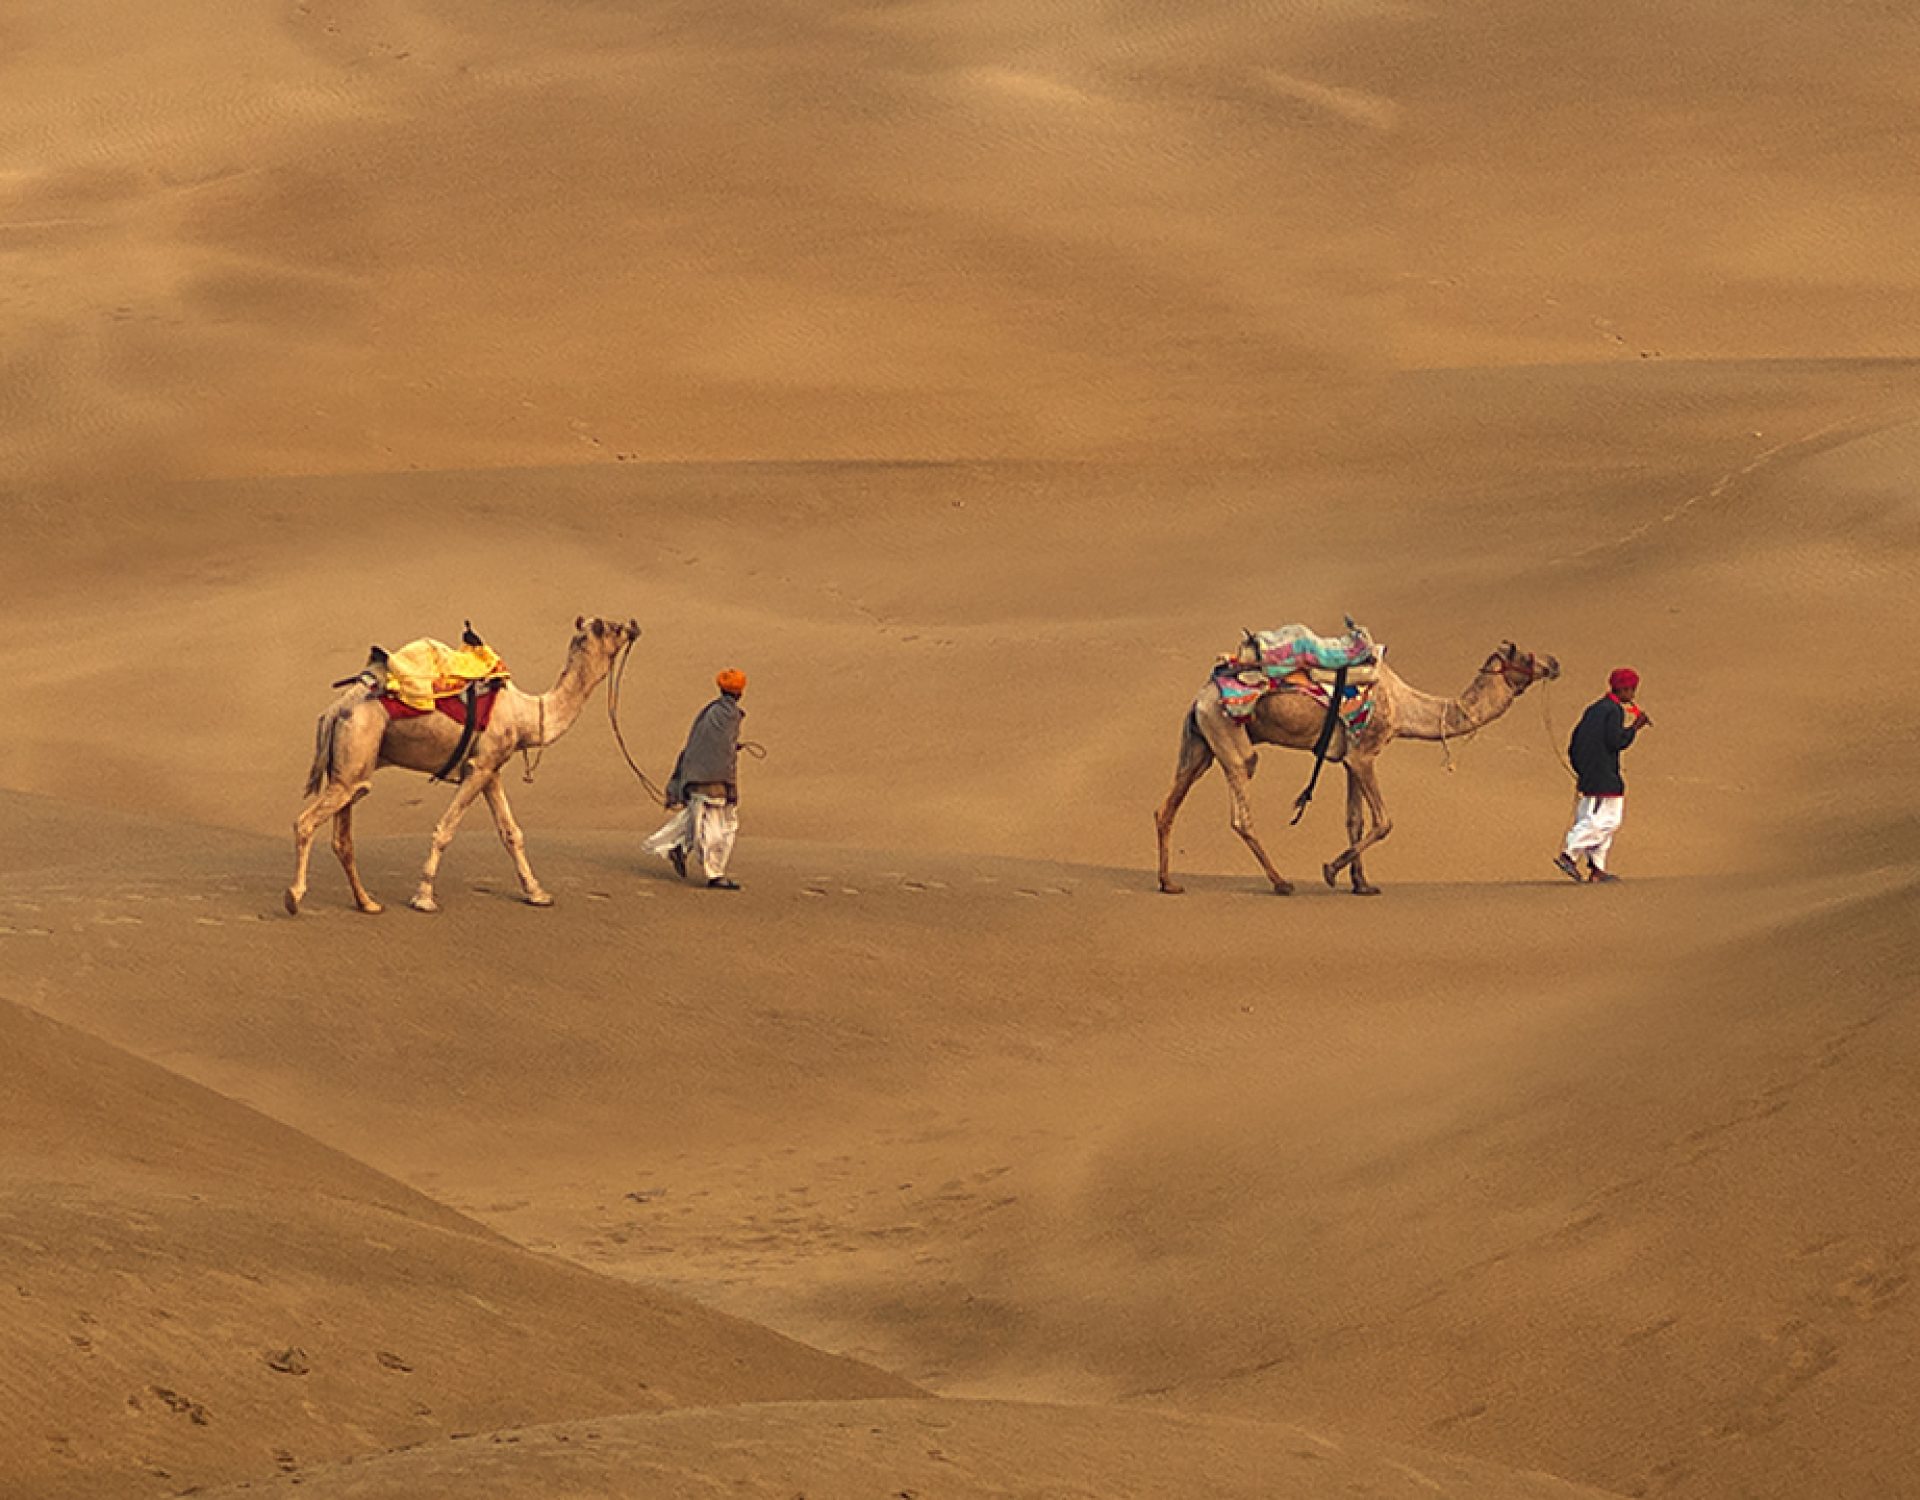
(429, 676)
(1295, 660)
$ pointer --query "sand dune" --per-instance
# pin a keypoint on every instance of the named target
(971, 375)
(199, 1292)
(962, 1449)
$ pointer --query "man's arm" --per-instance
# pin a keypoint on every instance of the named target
(1620, 726)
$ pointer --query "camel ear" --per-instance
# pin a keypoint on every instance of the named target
(633, 629)
(579, 622)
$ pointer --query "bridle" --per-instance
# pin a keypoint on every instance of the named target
(1520, 672)
(1526, 669)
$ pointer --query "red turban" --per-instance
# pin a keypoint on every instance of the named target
(733, 680)
(1622, 679)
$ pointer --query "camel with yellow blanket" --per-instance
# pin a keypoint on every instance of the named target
(362, 732)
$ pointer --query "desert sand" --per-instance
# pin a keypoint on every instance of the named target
(970, 376)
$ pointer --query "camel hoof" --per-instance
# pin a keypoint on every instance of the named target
(1332, 874)
(293, 904)
(1283, 887)
(373, 908)
(1168, 888)
(539, 898)
(424, 903)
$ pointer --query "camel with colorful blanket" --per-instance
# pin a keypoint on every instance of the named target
(453, 713)
(1280, 688)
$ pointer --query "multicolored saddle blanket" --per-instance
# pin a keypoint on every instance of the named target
(1292, 647)
(423, 672)
(1240, 697)
(1294, 659)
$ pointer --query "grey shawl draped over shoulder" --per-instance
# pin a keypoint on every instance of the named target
(713, 748)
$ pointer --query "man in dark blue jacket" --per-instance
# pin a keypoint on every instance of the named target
(1604, 730)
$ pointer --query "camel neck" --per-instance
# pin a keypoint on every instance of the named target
(560, 705)
(1426, 716)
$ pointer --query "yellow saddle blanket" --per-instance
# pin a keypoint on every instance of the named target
(424, 670)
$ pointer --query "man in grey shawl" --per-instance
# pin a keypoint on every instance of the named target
(704, 791)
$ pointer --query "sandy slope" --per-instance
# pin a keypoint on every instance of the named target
(1018, 357)
(165, 1246)
(962, 1450)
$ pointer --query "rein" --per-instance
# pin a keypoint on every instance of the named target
(613, 718)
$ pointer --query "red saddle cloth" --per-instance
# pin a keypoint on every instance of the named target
(454, 707)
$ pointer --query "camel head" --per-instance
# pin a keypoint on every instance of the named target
(600, 638)
(1521, 669)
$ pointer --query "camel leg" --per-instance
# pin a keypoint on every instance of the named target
(1238, 780)
(343, 851)
(325, 803)
(1195, 757)
(463, 798)
(516, 842)
(1363, 791)
(1232, 746)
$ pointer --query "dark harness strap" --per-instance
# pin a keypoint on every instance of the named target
(1320, 745)
(472, 695)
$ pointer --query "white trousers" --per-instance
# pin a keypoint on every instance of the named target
(1595, 821)
(705, 827)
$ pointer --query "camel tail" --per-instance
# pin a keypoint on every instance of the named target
(322, 751)
(1191, 740)
(1195, 753)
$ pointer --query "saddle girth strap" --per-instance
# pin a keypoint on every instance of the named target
(1320, 745)
(472, 696)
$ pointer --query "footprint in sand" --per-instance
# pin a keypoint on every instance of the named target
(812, 890)
(25, 932)
(912, 885)
(117, 921)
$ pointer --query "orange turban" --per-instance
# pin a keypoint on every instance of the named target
(733, 680)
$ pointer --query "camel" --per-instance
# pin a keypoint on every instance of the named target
(356, 737)
(1294, 720)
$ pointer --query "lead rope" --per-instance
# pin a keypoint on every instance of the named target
(1553, 740)
(530, 758)
(1446, 741)
(613, 718)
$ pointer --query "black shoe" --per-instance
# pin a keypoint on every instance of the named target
(679, 858)
(1567, 866)
(721, 883)
(1598, 876)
